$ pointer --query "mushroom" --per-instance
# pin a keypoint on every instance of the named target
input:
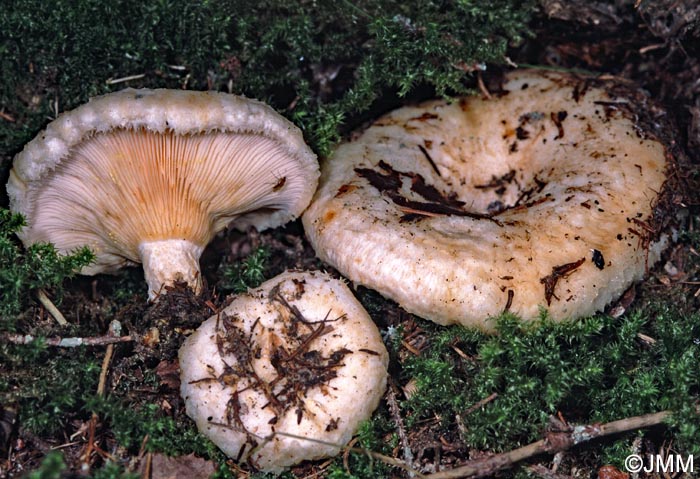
(285, 373)
(549, 194)
(149, 176)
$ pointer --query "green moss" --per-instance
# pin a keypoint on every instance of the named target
(53, 467)
(50, 386)
(367, 48)
(263, 475)
(131, 423)
(66, 51)
(593, 370)
(371, 436)
(248, 273)
(24, 271)
(317, 62)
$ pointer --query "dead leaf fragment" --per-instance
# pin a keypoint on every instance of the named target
(611, 472)
(169, 374)
(190, 466)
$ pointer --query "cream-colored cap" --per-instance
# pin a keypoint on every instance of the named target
(285, 373)
(539, 197)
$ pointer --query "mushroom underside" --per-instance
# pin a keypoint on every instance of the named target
(151, 175)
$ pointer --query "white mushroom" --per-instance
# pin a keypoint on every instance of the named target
(149, 176)
(545, 195)
(285, 373)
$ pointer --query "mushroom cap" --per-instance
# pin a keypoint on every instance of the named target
(268, 386)
(542, 196)
(152, 165)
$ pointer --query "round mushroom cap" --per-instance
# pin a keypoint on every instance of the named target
(285, 373)
(151, 175)
(543, 196)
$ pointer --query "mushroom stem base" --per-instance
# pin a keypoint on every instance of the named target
(168, 261)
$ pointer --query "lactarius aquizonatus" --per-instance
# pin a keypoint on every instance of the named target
(552, 193)
(285, 373)
(149, 176)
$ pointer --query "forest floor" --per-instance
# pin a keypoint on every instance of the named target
(115, 411)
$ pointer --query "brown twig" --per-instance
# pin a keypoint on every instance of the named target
(146, 474)
(396, 415)
(7, 117)
(67, 342)
(114, 329)
(553, 442)
(51, 308)
(482, 86)
(481, 403)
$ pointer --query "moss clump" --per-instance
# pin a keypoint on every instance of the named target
(39, 266)
(63, 52)
(244, 274)
(595, 370)
(53, 467)
(51, 395)
(317, 62)
(130, 423)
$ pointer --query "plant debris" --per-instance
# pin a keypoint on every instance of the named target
(436, 204)
(558, 272)
(299, 367)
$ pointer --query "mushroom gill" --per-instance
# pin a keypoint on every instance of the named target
(155, 187)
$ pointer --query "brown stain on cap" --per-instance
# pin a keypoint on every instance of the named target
(328, 216)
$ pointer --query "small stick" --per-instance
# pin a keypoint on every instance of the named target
(114, 81)
(147, 467)
(55, 106)
(482, 87)
(51, 308)
(346, 454)
(649, 48)
(554, 442)
(67, 342)
(413, 350)
(105, 363)
(413, 211)
(114, 329)
(7, 117)
(396, 415)
(390, 461)
(481, 403)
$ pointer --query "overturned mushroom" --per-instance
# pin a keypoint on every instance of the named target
(285, 373)
(550, 194)
(149, 176)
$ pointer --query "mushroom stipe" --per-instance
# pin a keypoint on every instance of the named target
(547, 195)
